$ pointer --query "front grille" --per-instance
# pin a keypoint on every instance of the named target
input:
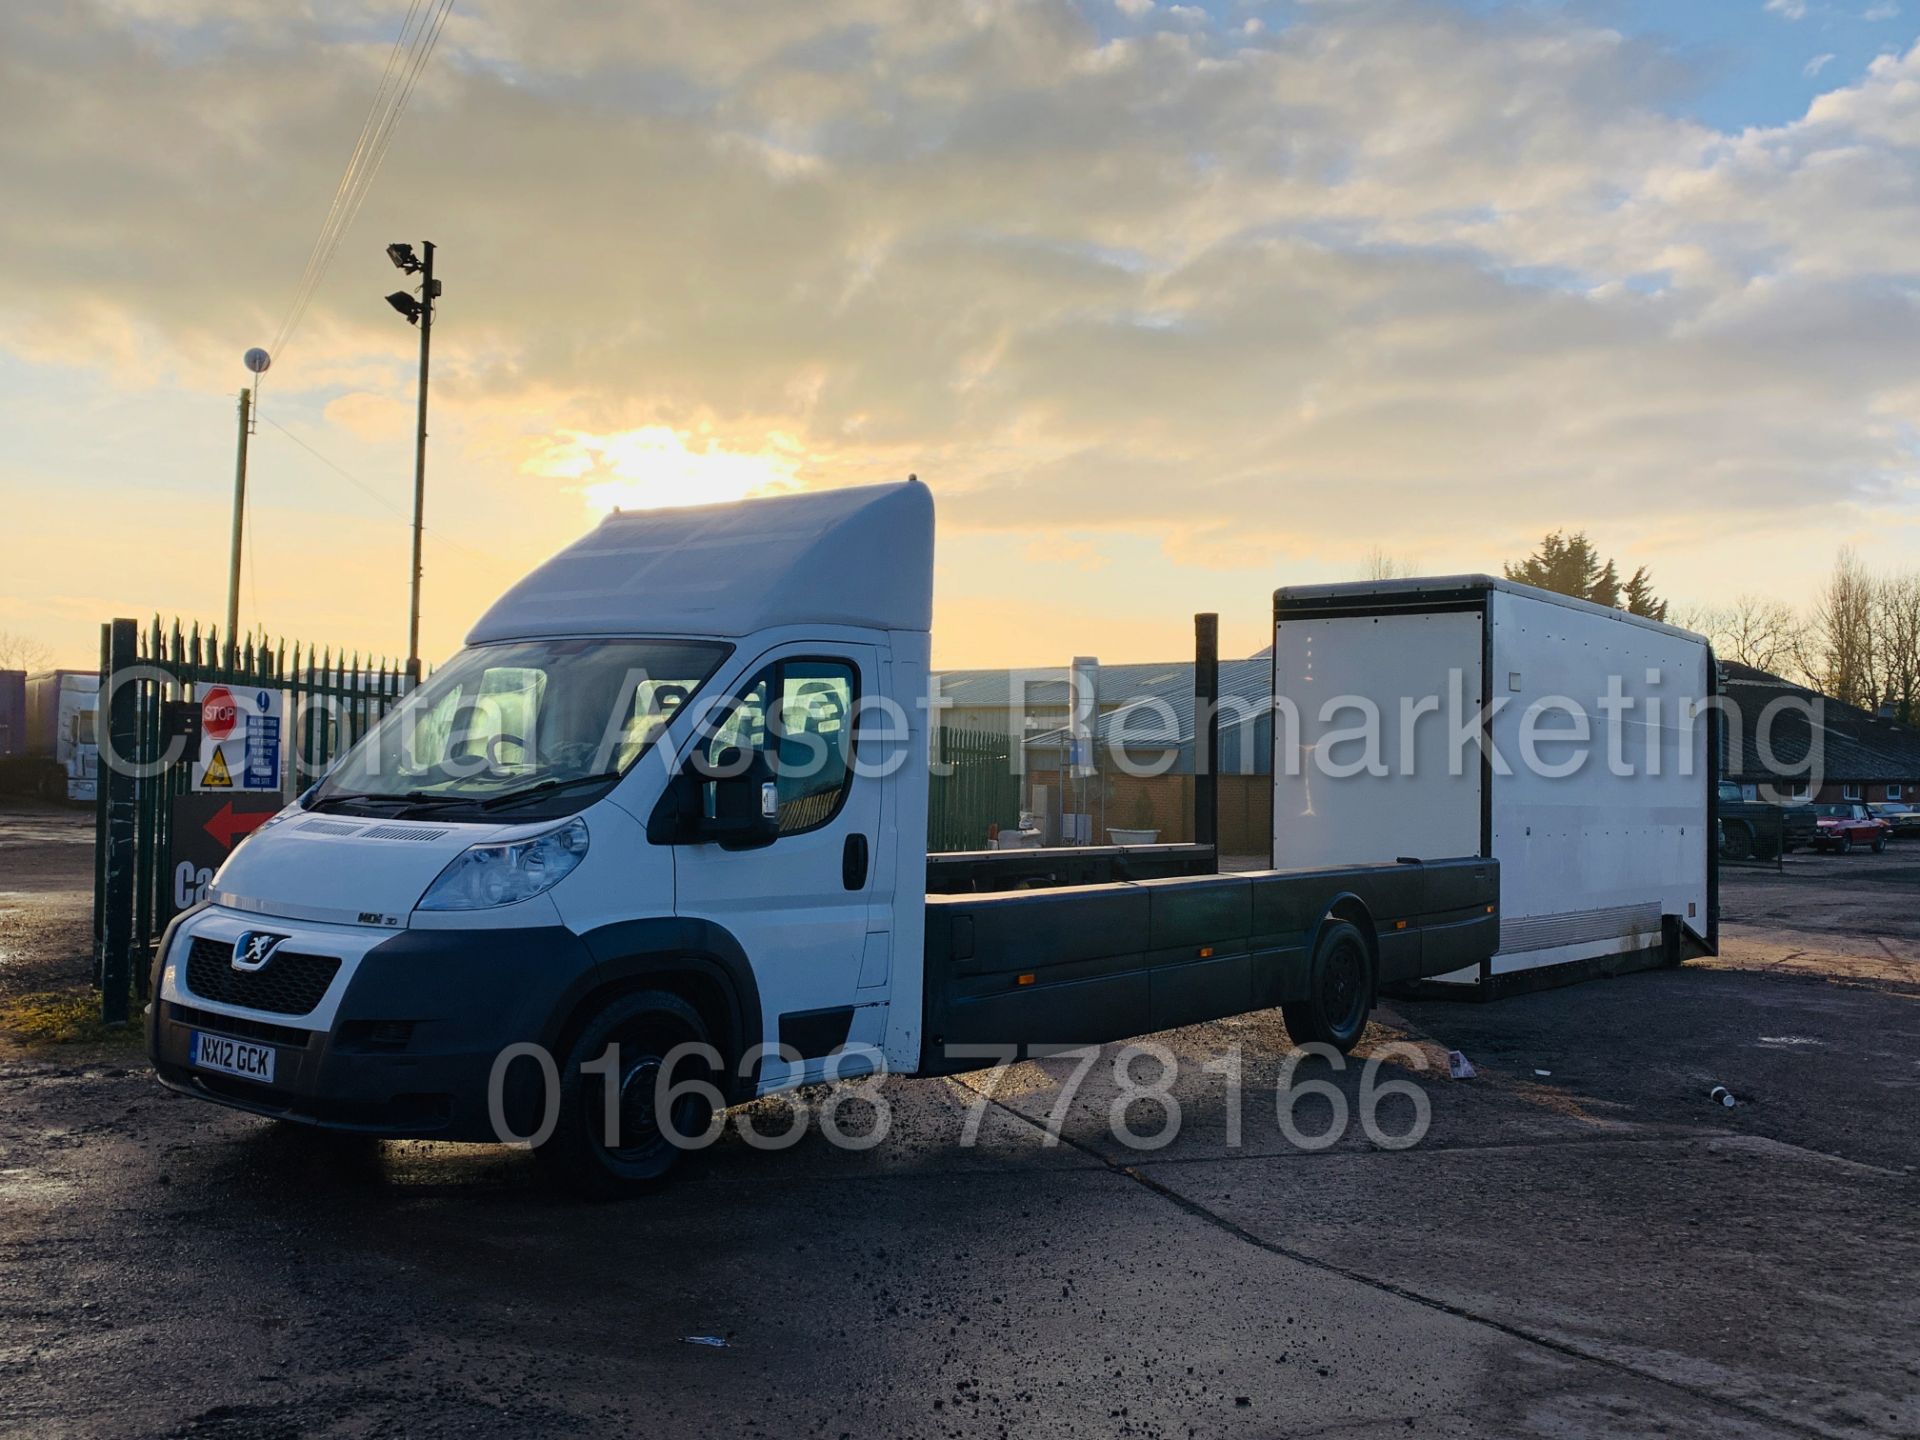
(288, 984)
(239, 1025)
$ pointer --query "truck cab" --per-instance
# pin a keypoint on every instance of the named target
(61, 711)
(685, 761)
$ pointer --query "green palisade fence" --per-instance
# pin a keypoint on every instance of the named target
(330, 700)
(980, 791)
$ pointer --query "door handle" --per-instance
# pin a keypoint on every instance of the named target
(853, 863)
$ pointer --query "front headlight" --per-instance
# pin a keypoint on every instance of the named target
(483, 876)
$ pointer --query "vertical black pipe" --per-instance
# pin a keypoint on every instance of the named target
(1206, 730)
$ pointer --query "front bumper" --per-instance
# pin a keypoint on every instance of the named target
(405, 1043)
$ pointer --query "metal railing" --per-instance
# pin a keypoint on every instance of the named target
(978, 790)
(329, 700)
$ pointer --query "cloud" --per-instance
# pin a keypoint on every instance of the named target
(1818, 63)
(1442, 278)
(1887, 11)
(1787, 9)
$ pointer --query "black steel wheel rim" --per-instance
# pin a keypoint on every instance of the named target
(1343, 981)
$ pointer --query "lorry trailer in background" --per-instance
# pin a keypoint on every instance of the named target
(654, 843)
(47, 734)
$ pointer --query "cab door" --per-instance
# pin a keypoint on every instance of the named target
(800, 906)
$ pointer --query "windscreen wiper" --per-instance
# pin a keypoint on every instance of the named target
(547, 787)
(409, 801)
(356, 797)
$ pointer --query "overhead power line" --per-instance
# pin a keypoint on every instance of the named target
(419, 34)
(373, 494)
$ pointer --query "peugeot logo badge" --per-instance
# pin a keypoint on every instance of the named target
(253, 949)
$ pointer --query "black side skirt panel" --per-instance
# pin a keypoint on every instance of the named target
(1025, 971)
(814, 1033)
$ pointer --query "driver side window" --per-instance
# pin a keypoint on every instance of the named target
(798, 714)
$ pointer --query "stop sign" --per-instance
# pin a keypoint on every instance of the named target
(218, 713)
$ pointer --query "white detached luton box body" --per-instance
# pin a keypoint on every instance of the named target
(1483, 690)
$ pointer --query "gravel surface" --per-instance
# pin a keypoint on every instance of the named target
(1594, 1250)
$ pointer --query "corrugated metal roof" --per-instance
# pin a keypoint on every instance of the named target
(1853, 745)
(1155, 711)
(1046, 685)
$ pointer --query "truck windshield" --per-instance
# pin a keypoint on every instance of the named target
(508, 717)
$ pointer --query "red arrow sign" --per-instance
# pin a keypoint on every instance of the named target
(218, 712)
(226, 827)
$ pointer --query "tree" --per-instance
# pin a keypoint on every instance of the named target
(1380, 565)
(1895, 623)
(1640, 599)
(23, 652)
(1754, 630)
(1840, 641)
(1569, 565)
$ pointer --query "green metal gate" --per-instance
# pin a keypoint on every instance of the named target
(979, 789)
(329, 702)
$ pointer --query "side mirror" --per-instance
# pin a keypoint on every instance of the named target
(742, 807)
(733, 803)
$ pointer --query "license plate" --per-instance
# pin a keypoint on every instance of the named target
(232, 1057)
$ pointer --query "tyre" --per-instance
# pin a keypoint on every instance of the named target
(1845, 847)
(1736, 840)
(1340, 991)
(646, 1027)
(1766, 847)
(1879, 844)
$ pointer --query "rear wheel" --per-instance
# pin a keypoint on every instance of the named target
(1340, 991)
(1879, 844)
(1736, 840)
(591, 1155)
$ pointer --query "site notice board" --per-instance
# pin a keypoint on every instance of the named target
(236, 784)
(240, 736)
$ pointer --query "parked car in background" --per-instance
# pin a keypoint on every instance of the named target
(1843, 827)
(1760, 829)
(1903, 820)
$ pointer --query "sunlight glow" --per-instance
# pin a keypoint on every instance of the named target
(654, 467)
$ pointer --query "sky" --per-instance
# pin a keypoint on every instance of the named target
(1168, 304)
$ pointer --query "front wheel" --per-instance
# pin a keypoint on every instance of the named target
(1340, 991)
(1845, 846)
(605, 1147)
(1879, 844)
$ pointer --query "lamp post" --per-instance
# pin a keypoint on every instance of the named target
(256, 360)
(419, 312)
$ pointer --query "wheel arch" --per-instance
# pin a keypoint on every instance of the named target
(699, 961)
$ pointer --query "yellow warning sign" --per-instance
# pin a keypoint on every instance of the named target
(217, 777)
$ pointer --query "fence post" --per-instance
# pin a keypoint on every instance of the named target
(100, 818)
(116, 920)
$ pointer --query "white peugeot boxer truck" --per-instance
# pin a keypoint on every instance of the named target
(654, 842)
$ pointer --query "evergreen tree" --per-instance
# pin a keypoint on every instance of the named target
(1569, 565)
(1640, 597)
